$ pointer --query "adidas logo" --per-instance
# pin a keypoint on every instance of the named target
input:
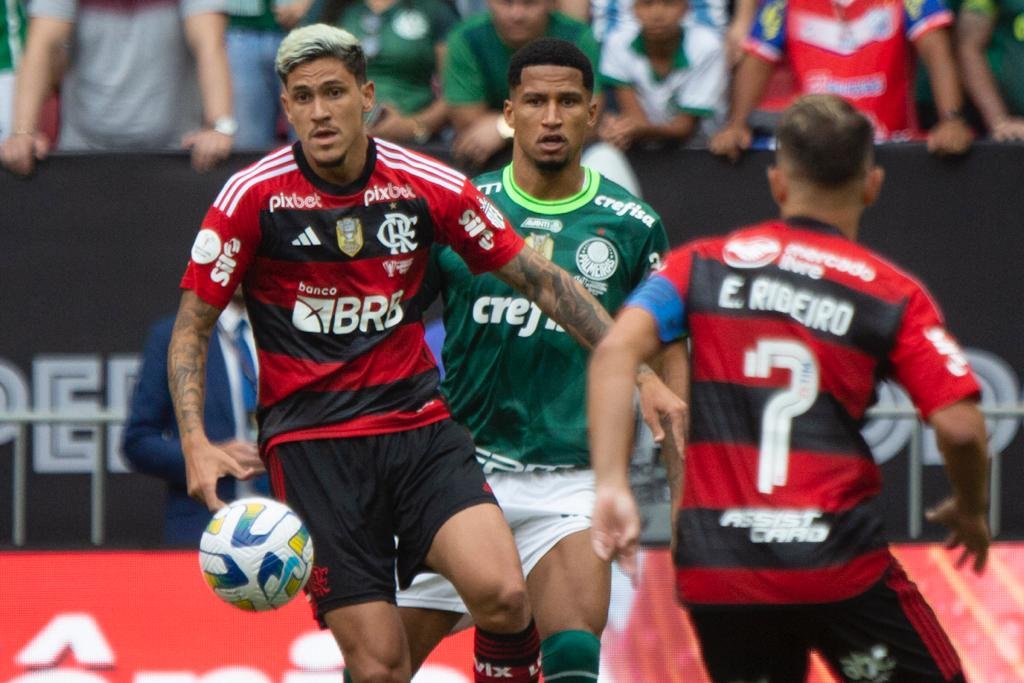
(306, 238)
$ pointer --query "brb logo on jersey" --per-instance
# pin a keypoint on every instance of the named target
(397, 233)
(321, 310)
(751, 252)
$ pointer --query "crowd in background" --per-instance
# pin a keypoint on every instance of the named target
(198, 74)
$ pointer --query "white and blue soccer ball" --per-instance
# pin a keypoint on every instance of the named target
(256, 554)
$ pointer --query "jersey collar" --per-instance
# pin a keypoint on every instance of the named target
(679, 62)
(808, 223)
(330, 188)
(551, 207)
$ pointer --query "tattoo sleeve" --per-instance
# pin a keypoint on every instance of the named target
(558, 294)
(186, 361)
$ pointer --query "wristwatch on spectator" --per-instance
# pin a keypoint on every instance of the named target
(225, 125)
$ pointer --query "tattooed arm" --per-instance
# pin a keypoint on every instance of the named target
(569, 304)
(559, 295)
(205, 463)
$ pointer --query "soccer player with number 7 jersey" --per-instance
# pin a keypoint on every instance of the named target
(780, 547)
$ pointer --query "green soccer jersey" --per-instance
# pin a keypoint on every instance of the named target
(401, 48)
(476, 66)
(513, 377)
(12, 34)
(252, 15)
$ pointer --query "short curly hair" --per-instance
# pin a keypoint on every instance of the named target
(550, 52)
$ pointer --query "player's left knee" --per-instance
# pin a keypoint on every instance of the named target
(571, 657)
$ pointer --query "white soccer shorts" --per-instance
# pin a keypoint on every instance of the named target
(542, 508)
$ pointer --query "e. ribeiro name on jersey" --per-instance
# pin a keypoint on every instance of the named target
(330, 277)
(499, 344)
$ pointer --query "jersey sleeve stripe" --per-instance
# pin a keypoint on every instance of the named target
(254, 181)
(765, 51)
(420, 173)
(423, 163)
(397, 150)
(938, 20)
(234, 181)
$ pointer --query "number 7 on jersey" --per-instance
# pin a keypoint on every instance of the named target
(784, 404)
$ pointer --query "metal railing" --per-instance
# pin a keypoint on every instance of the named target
(23, 419)
(98, 475)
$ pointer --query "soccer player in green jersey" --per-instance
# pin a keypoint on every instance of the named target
(517, 381)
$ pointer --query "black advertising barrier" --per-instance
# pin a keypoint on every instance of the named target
(93, 247)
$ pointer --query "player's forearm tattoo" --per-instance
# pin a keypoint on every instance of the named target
(186, 361)
(560, 296)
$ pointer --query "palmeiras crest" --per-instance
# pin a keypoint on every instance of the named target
(350, 235)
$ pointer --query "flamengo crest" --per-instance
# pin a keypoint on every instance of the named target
(397, 233)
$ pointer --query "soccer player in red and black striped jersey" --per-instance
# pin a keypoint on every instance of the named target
(779, 542)
(331, 237)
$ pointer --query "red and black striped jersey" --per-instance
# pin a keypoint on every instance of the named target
(791, 325)
(330, 275)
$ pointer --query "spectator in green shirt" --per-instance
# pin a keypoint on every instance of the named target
(475, 75)
(404, 43)
(990, 40)
(12, 39)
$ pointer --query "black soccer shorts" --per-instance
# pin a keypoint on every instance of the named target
(887, 634)
(357, 495)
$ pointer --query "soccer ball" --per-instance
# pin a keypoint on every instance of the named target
(256, 554)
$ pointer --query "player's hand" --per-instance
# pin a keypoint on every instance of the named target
(950, 137)
(20, 151)
(731, 141)
(619, 131)
(969, 530)
(478, 143)
(209, 148)
(204, 465)
(615, 526)
(1008, 129)
(245, 453)
(392, 126)
(660, 405)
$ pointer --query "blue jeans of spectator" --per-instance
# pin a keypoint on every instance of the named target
(255, 86)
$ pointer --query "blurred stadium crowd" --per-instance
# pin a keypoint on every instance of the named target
(198, 74)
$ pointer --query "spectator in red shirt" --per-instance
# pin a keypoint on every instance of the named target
(859, 50)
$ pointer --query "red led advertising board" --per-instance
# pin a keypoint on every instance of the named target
(148, 617)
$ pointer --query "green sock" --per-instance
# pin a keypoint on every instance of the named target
(571, 657)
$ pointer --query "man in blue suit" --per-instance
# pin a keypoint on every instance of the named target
(151, 442)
